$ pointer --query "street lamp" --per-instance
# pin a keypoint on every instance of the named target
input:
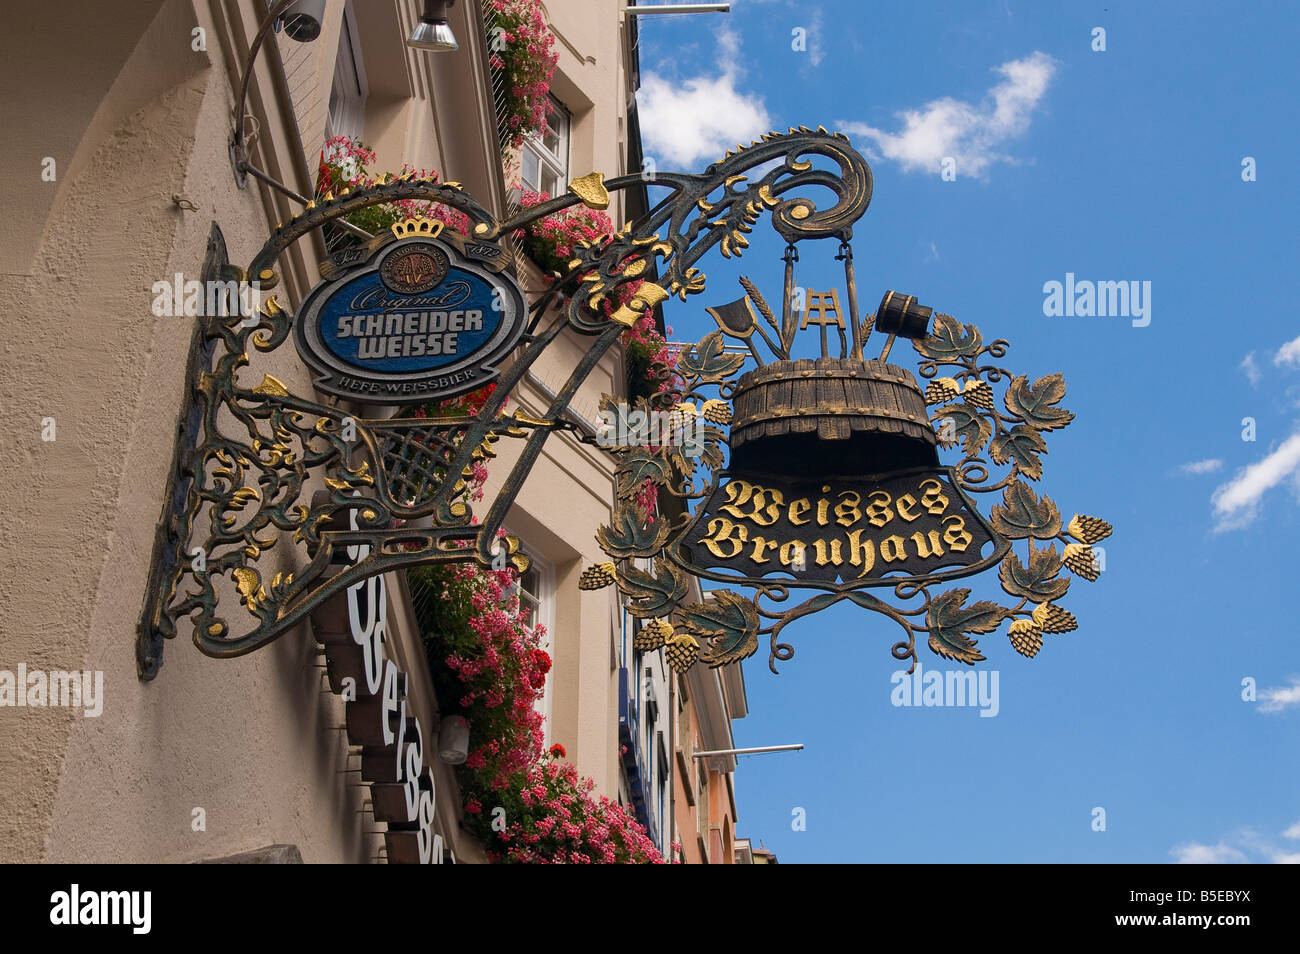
(433, 32)
(302, 20)
(453, 740)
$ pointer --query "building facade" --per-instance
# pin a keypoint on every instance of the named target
(707, 700)
(121, 166)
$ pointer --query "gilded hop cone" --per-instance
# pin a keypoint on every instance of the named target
(653, 635)
(682, 651)
(716, 411)
(980, 394)
(1053, 619)
(941, 391)
(1080, 559)
(597, 576)
(1026, 637)
(680, 417)
(1088, 529)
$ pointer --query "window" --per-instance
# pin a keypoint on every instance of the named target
(544, 164)
(702, 803)
(347, 111)
(662, 786)
(530, 595)
(535, 588)
(649, 734)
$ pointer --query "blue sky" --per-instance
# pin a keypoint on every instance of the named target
(1117, 165)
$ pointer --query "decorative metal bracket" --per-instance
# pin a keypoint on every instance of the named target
(391, 490)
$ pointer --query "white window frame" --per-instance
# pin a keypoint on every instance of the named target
(546, 617)
(349, 79)
(558, 164)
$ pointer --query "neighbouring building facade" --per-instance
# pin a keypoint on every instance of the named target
(120, 124)
(747, 854)
(704, 787)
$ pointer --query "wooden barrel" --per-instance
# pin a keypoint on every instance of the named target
(831, 417)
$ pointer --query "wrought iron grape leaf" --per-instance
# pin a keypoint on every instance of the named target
(653, 594)
(682, 458)
(1040, 580)
(950, 339)
(686, 454)
(629, 535)
(705, 448)
(620, 423)
(730, 620)
(708, 361)
(967, 423)
(1023, 445)
(1022, 514)
(714, 435)
(638, 467)
(1036, 403)
(949, 622)
(711, 455)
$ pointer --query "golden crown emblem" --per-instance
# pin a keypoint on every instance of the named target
(419, 225)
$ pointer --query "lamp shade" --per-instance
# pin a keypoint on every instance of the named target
(453, 739)
(433, 32)
(302, 20)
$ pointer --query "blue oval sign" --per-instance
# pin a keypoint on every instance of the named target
(421, 319)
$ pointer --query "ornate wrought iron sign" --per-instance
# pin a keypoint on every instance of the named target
(823, 473)
(817, 473)
(421, 318)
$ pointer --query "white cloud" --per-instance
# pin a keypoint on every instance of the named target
(1275, 700)
(1235, 502)
(1252, 370)
(686, 122)
(1201, 466)
(969, 133)
(1289, 353)
(815, 52)
(1197, 854)
(1243, 846)
(729, 46)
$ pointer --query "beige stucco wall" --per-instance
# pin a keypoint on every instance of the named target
(249, 740)
(244, 739)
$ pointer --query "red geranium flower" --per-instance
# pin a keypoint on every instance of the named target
(557, 751)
